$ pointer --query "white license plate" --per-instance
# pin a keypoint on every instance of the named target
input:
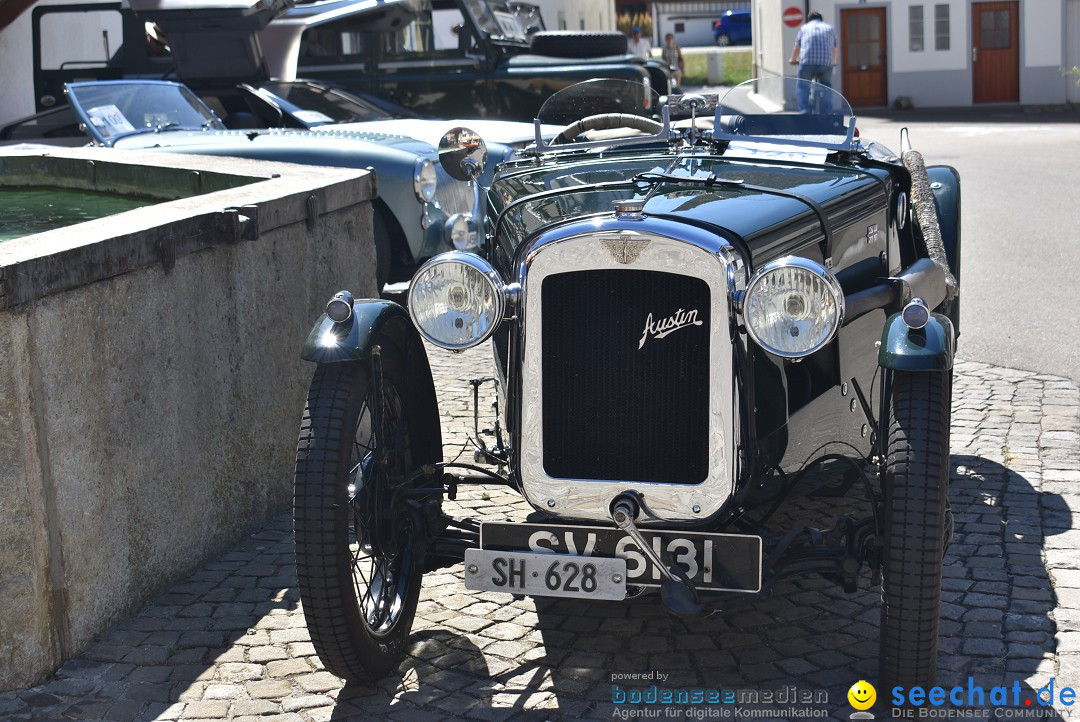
(545, 575)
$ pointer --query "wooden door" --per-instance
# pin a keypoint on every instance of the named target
(863, 56)
(995, 52)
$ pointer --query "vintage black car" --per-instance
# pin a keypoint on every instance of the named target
(446, 58)
(450, 58)
(694, 322)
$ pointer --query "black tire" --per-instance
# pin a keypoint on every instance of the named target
(916, 488)
(578, 44)
(723, 40)
(358, 554)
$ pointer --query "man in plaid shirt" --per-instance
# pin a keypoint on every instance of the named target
(816, 52)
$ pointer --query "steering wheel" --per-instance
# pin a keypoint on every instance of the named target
(608, 121)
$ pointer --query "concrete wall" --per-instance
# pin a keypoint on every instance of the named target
(148, 416)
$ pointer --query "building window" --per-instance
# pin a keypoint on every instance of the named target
(941, 27)
(915, 28)
(995, 30)
(680, 27)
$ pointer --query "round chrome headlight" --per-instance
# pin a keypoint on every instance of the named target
(456, 300)
(792, 307)
(425, 180)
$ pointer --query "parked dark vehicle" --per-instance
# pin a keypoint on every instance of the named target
(446, 58)
(733, 28)
(692, 324)
(451, 58)
(297, 104)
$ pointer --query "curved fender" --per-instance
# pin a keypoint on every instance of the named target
(353, 340)
(924, 349)
(945, 184)
(331, 342)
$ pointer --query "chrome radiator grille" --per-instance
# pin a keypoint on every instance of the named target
(626, 376)
(626, 372)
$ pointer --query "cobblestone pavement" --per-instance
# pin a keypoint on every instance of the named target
(230, 641)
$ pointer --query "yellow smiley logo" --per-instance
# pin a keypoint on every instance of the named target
(862, 695)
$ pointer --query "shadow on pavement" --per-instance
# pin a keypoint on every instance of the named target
(230, 641)
(810, 638)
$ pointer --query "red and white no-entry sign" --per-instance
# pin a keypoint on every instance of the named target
(793, 17)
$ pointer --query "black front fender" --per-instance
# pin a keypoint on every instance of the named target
(331, 342)
(945, 183)
(378, 321)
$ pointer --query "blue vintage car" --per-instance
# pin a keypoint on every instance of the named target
(420, 210)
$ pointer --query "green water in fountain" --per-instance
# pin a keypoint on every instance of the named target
(25, 211)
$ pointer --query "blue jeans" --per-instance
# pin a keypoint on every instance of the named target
(822, 74)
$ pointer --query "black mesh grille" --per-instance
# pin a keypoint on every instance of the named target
(614, 407)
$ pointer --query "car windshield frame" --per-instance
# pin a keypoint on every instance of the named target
(766, 110)
(321, 104)
(113, 109)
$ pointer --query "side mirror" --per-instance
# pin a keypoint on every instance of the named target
(462, 154)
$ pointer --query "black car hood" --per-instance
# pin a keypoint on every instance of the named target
(766, 205)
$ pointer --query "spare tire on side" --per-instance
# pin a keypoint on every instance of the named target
(578, 43)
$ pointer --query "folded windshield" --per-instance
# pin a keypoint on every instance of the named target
(785, 109)
(769, 110)
(114, 109)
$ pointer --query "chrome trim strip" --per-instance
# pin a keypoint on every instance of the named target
(695, 252)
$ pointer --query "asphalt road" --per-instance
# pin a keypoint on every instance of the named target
(1020, 216)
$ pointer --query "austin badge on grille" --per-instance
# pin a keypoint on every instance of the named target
(663, 326)
(625, 249)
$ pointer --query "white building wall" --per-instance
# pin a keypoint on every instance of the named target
(902, 59)
(578, 14)
(1040, 33)
(934, 77)
(1072, 49)
(772, 39)
(82, 38)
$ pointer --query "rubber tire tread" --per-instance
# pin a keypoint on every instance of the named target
(916, 487)
(578, 44)
(342, 640)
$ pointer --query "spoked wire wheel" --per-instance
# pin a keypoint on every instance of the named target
(358, 538)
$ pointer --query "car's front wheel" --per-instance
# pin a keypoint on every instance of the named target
(915, 489)
(723, 40)
(359, 539)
